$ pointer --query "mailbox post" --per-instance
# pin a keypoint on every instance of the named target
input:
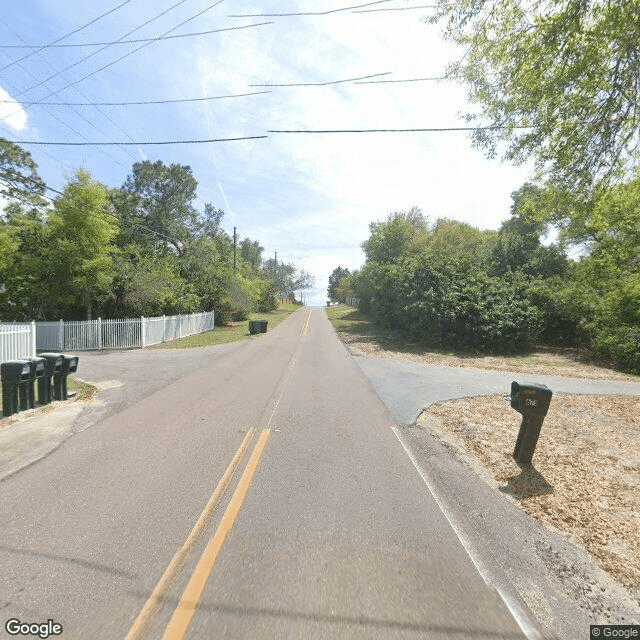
(69, 365)
(16, 374)
(37, 373)
(53, 366)
(532, 401)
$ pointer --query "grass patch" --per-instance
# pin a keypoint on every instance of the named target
(354, 326)
(84, 390)
(356, 329)
(234, 332)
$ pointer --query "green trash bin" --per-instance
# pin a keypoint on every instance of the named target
(255, 326)
(263, 326)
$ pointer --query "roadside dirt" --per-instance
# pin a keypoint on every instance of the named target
(585, 476)
(571, 363)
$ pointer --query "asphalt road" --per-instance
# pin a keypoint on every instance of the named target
(408, 387)
(265, 494)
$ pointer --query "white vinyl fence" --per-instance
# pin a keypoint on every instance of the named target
(119, 334)
(17, 340)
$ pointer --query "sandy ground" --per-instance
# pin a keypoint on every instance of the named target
(585, 476)
(571, 363)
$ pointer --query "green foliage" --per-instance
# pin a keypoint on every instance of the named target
(19, 179)
(400, 234)
(450, 303)
(616, 325)
(454, 238)
(334, 282)
(558, 81)
(80, 249)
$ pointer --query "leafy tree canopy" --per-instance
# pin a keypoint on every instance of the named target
(554, 81)
(334, 282)
(19, 177)
(401, 232)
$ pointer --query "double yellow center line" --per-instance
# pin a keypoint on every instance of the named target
(190, 599)
(192, 594)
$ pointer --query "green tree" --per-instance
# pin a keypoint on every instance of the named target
(156, 206)
(80, 249)
(19, 178)
(400, 233)
(334, 282)
(555, 81)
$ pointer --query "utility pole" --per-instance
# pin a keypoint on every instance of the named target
(235, 244)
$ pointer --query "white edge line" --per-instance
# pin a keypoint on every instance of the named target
(528, 627)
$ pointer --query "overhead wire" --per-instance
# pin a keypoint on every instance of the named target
(143, 143)
(144, 24)
(424, 6)
(67, 35)
(304, 13)
(321, 84)
(140, 102)
(135, 41)
(80, 115)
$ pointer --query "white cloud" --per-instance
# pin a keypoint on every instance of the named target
(11, 113)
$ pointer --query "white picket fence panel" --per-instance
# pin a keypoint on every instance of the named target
(119, 334)
(17, 340)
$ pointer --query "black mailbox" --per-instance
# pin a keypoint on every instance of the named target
(37, 372)
(532, 401)
(53, 366)
(16, 374)
(69, 365)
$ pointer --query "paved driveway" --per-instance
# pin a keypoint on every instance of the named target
(408, 387)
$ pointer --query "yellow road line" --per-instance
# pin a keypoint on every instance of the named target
(190, 599)
(141, 625)
(306, 326)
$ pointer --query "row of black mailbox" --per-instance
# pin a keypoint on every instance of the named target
(19, 377)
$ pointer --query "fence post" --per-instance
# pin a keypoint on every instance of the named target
(142, 332)
(164, 328)
(33, 339)
(180, 325)
(99, 333)
(61, 335)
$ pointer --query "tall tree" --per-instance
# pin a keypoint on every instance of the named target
(80, 243)
(401, 232)
(334, 282)
(554, 81)
(19, 178)
(156, 205)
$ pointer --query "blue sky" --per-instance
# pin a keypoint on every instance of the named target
(310, 197)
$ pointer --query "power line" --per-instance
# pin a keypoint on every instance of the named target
(173, 6)
(140, 102)
(417, 130)
(145, 143)
(40, 48)
(135, 41)
(321, 84)
(74, 110)
(406, 80)
(424, 6)
(146, 44)
(304, 13)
